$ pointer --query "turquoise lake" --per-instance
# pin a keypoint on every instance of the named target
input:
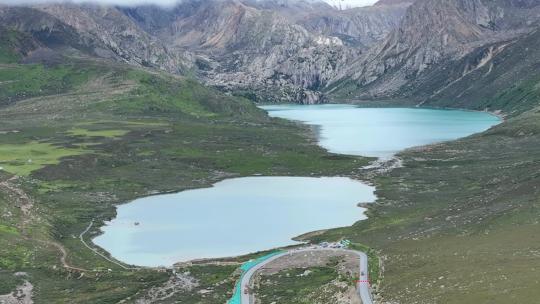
(243, 215)
(382, 132)
(236, 216)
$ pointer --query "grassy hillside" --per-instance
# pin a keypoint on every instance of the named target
(499, 76)
(13, 45)
(81, 135)
(458, 223)
(509, 81)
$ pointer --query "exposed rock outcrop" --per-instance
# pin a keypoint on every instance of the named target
(261, 48)
(269, 51)
(102, 31)
(431, 33)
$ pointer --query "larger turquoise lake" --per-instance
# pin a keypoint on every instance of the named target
(243, 215)
(382, 132)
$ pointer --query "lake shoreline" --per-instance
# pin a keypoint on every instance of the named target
(315, 130)
(199, 229)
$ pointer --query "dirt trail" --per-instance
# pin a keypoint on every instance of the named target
(26, 205)
(81, 237)
(63, 256)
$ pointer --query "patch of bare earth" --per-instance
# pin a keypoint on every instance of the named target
(178, 282)
(345, 263)
(17, 195)
(22, 295)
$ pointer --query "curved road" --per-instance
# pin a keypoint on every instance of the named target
(362, 287)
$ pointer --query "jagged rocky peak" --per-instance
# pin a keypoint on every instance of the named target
(433, 31)
(359, 27)
(100, 30)
(283, 50)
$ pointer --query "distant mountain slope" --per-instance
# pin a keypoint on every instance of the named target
(359, 27)
(288, 50)
(242, 47)
(100, 31)
(393, 2)
(275, 50)
(503, 76)
(433, 34)
(15, 45)
(267, 50)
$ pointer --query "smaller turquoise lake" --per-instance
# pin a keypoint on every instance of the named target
(382, 132)
(234, 217)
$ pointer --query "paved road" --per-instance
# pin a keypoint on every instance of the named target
(362, 287)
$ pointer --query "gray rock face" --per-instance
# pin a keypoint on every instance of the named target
(119, 34)
(291, 50)
(499, 76)
(432, 32)
(282, 51)
(271, 51)
(357, 27)
(103, 31)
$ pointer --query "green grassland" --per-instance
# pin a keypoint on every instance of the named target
(84, 135)
(23, 158)
(458, 223)
(97, 133)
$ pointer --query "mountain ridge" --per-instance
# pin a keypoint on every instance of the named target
(292, 51)
(433, 33)
(241, 47)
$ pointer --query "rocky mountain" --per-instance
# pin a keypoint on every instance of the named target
(272, 50)
(95, 30)
(433, 35)
(292, 50)
(14, 45)
(358, 27)
(501, 76)
(275, 50)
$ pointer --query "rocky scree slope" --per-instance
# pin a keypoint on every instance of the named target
(102, 31)
(269, 51)
(358, 27)
(434, 34)
(281, 50)
(501, 76)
